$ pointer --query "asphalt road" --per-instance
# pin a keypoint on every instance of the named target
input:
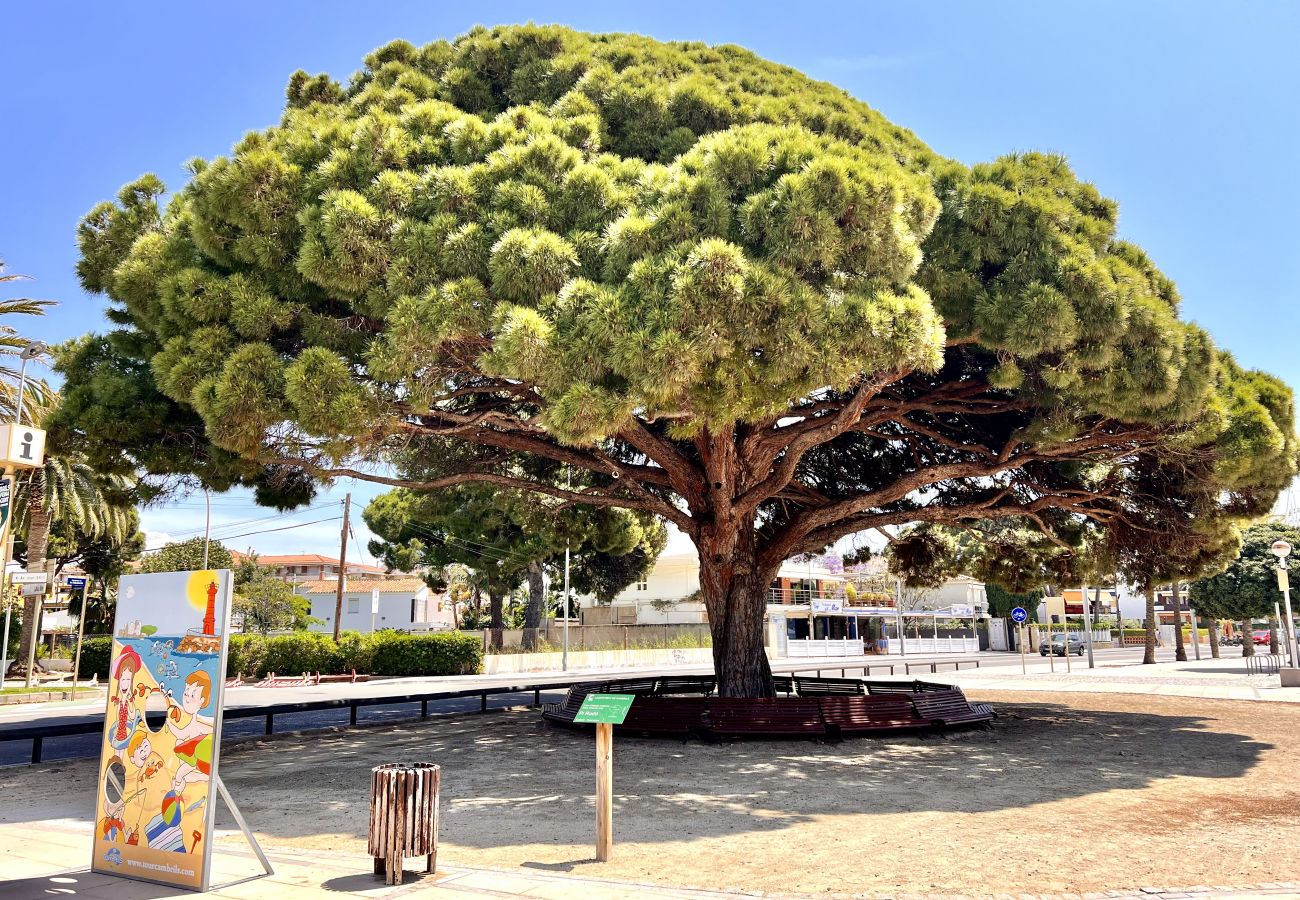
(18, 752)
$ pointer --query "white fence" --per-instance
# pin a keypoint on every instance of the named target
(805, 648)
(937, 645)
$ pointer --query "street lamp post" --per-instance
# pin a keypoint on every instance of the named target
(1281, 549)
(29, 353)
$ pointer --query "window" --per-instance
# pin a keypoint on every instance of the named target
(413, 602)
(642, 585)
(354, 606)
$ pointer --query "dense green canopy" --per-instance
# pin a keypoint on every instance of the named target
(738, 298)
(1248, 588)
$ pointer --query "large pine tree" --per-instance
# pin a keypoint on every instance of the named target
(735, 297)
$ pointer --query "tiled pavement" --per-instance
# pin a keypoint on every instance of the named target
(43, 865)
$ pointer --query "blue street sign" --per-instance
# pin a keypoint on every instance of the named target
(76, 582)
(1018, 614)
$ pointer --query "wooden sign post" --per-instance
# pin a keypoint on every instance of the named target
(606, 711)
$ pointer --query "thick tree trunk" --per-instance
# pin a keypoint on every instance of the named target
(38, 538)
(1272, 634)
(536, 601)
(1214, 638)
(734, 588)
(496, 618)
(1151, 629)
(1180, 649)
(1247, 638)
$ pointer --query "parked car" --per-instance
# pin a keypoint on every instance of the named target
(1259, 636)
(1058, 645)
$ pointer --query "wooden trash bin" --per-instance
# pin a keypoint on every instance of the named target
(403, 816)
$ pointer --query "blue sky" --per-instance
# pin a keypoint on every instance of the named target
(1183, 111)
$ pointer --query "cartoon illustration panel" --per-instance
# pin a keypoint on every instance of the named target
(154, 809)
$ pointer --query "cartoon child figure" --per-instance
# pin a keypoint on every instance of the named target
(124, 698)
(194, 738)
(140, 751)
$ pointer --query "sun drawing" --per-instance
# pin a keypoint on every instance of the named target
(197, 588)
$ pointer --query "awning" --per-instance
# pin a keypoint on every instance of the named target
(803, 611)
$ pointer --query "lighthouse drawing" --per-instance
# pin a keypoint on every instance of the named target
(202, 592)
(210, 617)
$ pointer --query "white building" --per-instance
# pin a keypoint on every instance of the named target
(669, 594)
(402, 604)
(304, 568)
(955, 593)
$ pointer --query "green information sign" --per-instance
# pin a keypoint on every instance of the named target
(610, 708)
(5, 489)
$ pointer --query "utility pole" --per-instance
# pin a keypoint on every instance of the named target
(1087, 624)
(207, 526)
(343, 567)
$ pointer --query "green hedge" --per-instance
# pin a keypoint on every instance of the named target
(426, 654)
(384, 653)
(95, 652)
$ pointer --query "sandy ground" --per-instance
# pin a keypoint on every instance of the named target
(1067, 792)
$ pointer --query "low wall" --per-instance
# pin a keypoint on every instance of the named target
(594, 660)
(605, 637)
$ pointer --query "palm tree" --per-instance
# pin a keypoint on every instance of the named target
(1151, 628)
(67, 489)
(12, 343)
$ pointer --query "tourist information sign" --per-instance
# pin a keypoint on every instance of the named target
(604, 708)
(606, 711)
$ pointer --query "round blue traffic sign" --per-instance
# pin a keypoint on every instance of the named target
(1018, 614)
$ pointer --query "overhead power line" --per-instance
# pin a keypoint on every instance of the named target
(262, 531)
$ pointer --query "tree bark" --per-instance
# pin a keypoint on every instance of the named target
(1180, 649)
(38, 539)
(1151, 629)
(496, 616)
(1247, 638)
(734, 587)
(1272, 634)
(536, 601)
(1214, 638)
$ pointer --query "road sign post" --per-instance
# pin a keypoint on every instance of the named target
(606, 711)
(75, 582)
(33, 584)
(1019, 615)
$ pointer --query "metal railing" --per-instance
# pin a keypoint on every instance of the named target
(1264, 664)
(38, 734)
(865, 668)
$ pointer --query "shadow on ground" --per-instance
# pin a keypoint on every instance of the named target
(508, 775)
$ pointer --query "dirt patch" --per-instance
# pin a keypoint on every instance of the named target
(1067, 792)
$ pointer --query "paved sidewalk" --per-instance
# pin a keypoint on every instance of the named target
(1212, 679)
(36, 865)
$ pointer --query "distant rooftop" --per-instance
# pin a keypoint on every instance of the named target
(365, 586)
(304, 559)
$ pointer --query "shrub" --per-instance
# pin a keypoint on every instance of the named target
(447, 653)
(95, 652)
(247, 655)
(355, 651)
(302, 651)
(385, 653)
